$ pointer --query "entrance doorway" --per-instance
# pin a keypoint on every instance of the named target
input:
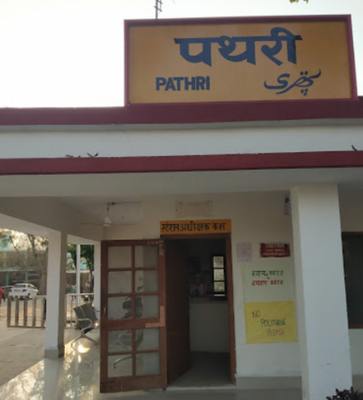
(152, 332)
(199, 311)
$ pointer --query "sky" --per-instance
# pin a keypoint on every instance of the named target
(69, 53)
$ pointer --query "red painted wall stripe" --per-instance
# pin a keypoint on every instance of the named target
(221, 162)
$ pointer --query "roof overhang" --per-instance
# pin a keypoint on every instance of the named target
(181, 114)
(187, 163)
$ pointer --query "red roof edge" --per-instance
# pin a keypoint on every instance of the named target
(186, 113)
(187, 163)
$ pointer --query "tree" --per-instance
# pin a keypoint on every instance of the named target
(31, 253)
(296, 1)
(87, 253)
(39, 258)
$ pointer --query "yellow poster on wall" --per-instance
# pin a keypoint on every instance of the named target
(271, 322)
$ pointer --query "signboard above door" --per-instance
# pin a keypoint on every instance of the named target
(195, 227)
(239, 59)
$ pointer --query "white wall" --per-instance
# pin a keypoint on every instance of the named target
(256, 217)
(120, 141)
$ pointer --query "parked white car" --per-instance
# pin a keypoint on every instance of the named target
(23, 290)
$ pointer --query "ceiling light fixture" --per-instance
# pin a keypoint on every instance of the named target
(108, 222)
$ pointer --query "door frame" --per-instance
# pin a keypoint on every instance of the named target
(230, 298)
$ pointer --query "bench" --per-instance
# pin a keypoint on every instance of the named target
(86, 321)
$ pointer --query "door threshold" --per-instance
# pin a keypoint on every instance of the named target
(198, 388)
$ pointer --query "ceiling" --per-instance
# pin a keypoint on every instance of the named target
(89, 193)
(95, 209)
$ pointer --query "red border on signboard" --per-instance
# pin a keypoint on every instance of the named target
(200, 21)
(353, 76)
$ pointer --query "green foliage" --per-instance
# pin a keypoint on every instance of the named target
(87, 253)
(296, 1)
(31, 252)
(346, 395)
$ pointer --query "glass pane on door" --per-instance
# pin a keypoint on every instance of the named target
(119, 366)
(147, 339)
(146, 256)
(147, 364)
(148, 306)
(146, 281)
(119, 307)
(119, 341)
(120, 257)
(119, 282)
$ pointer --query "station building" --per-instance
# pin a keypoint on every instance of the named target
(232, 187)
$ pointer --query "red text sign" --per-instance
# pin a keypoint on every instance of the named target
(275, 250)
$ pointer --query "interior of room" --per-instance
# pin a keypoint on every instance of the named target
(205, 262)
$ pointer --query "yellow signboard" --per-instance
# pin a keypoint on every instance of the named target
(183, 61)
(195, 227)
(271, 322)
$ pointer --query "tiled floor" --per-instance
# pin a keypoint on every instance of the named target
(76, 377)
(21, 348)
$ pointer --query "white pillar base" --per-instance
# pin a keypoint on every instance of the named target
(57, 353)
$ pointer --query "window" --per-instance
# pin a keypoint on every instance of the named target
(353, 273)
(219, 276)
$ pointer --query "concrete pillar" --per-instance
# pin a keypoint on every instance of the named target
(56, 285)
(97, 279)
(320, 291)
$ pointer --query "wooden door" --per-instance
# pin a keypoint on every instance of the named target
(133, 336)
(177, 310)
